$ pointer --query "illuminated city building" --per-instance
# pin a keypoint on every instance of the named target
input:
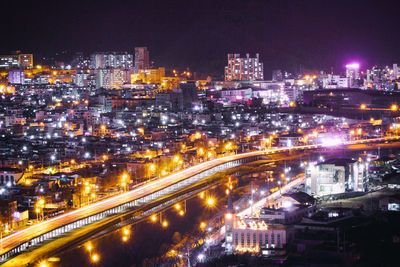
(330, 81)
(244, 69)
(9, 176)
(255, 236)
(148, 75)
(16, 76)
(119, 77)
(290, 208)
(10, 61)
(111, 78)
(236, 95)
(353, 73)
(111, 60)
(395, 74)
(103, 78)
(25, 61)
(335, 176)
(141, 59)
(16, 61)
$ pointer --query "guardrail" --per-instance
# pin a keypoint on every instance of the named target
(123, 208)
(230, 163)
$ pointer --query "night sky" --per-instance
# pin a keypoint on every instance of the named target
(198, 34)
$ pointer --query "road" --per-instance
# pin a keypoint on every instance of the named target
(26, 234)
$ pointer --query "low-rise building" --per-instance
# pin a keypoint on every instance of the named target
(9, 176)
(255, 235)
(335, 176)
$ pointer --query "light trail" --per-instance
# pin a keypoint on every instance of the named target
(27, 234)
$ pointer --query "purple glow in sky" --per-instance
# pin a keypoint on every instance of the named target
(353, 65)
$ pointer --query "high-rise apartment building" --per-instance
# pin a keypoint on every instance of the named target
(16, 60)
(112, 78)
(141, 58)
(111, 60)
(395, 72)
(103, 78)
(244, 69)
(16, 76)
(352, 72)
(25, 61)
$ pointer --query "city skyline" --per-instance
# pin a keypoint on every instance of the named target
(287, 35)
(199, 133)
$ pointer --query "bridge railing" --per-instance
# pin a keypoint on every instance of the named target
(123, 207)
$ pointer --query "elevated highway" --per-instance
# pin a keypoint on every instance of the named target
(19, 241)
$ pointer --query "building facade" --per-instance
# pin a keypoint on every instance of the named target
(335, 176)
(255, 236)
(16, 61)
(141, 59)
(16, 76)
(111, 60)
(244, 69)
(335, 81)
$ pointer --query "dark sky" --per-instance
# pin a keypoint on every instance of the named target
(199, 34)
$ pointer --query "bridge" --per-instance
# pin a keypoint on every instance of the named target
(20, 241)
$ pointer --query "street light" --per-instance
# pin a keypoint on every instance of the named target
(124, 180)
(394, 107)
(210, 202)
(89, 247)
(95, 257)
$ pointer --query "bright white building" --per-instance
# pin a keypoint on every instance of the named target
(335, 176)
(254, 235)
(335, 81)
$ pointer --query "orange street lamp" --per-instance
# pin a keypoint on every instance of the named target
(95, 257)
(363, 107)
(210, 202)
(394, 107)
(89, 246)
